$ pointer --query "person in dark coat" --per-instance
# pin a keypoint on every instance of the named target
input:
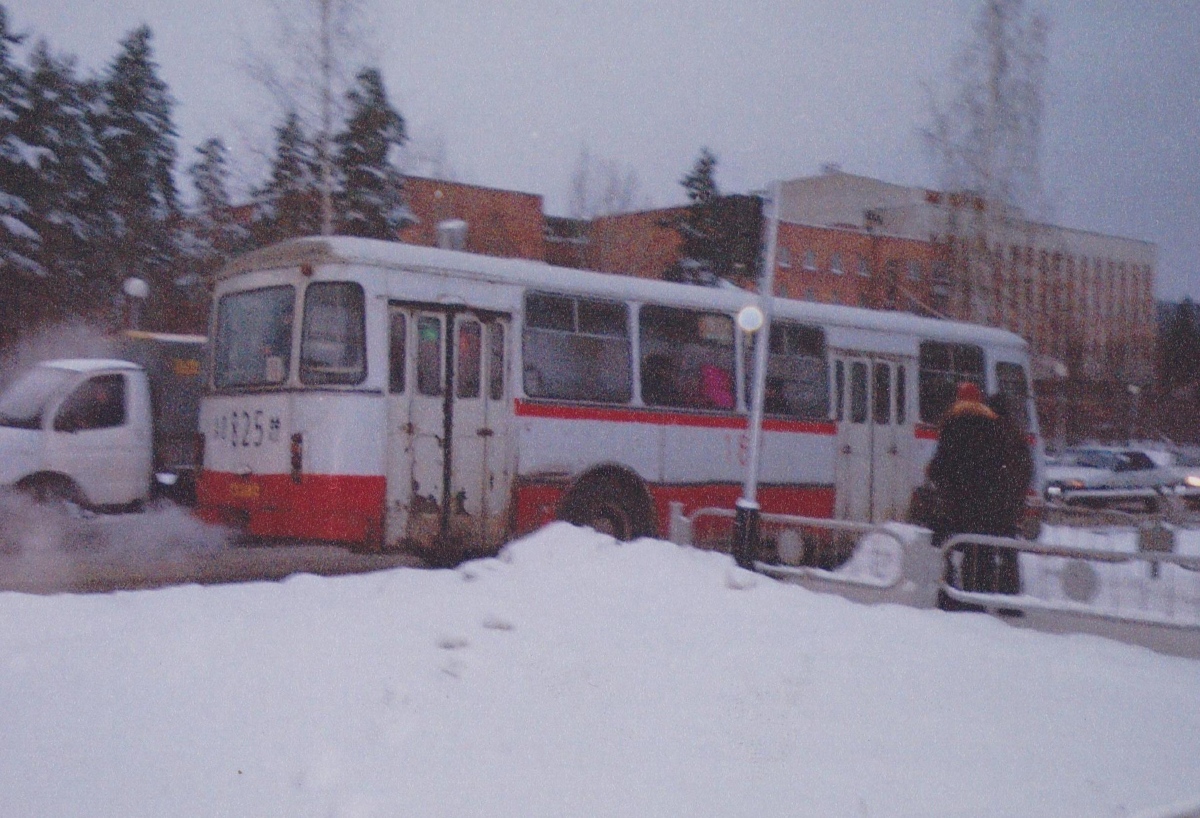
(973, 472)
(1016, 475)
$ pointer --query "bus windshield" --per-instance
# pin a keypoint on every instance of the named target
(253, 338)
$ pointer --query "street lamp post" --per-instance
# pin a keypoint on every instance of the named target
(136, 291)
(756, 320)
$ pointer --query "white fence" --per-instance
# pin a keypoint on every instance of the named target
(1126, 583)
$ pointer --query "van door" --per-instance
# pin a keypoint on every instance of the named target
(447, 478)
(94, 440)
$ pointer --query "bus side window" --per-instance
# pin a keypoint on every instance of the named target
(576, 349)
(397, 347)
(858, 392)
(839, 388)
(429, 355)
(797, 375)
(1012, 384)
(470, 348)
(496, 361)
(901, 396)
(687, 358)
(883, 394)
(942, 367)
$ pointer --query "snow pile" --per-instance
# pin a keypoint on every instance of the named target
(574, 676)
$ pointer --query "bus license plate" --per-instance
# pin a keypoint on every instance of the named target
(243, 490)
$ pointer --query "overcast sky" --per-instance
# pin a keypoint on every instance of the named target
(513, 90)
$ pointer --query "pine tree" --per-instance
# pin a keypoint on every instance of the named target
(720, 235)
(139, 141)
(19, 161)
(211, 234)
(66, 207)
(218, 232)
(371, 202)
(288, 206)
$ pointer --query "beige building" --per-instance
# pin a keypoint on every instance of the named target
(1084, 300)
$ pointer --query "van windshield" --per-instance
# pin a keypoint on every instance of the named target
(254, 338)
(24, 402)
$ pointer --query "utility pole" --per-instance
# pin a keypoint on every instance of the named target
(756, 320)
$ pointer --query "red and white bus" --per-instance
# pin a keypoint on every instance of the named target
(392, 396)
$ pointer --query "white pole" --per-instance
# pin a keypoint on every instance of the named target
(745, 527)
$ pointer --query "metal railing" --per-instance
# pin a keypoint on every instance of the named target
(868, 562)
(1135, 588)
(1155, 587)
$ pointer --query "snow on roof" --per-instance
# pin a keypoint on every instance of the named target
(90, 364)
(395, 255)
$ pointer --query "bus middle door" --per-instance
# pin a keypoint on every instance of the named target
(870, 407)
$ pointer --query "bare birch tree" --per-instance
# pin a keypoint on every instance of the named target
(319, 47)
(601, 187)
(985, 143)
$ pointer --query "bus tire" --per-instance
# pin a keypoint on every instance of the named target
(613, 502)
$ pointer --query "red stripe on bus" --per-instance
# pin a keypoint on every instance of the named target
(332, 507)
(558, 411)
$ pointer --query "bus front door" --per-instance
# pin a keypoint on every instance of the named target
(446, 464)
(872, 466)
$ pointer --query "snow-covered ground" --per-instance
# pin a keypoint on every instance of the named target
(574, 676)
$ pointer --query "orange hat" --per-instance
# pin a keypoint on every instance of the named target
(968, 393)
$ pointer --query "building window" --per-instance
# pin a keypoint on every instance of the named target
(835, 263)
(810, 260)
(810, 294)
(914, 270)
(864, 267)
(784, 257)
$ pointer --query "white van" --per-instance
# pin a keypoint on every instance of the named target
(78, 430)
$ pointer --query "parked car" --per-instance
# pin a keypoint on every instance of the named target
(1108, 475)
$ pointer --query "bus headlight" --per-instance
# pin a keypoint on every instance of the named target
(1193, 481)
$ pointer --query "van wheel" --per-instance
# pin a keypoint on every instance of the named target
(619, 508)
(53, 491)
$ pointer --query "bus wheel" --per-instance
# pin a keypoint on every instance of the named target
(616, 505)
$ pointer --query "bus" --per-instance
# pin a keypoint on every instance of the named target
(390, 396)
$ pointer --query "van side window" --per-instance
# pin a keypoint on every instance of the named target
(576, 349)
(97, 403)
(942, 367)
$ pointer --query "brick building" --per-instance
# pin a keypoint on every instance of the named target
(1083, 300)
(477, 219)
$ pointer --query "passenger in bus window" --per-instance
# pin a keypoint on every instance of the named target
(716, 384)
(658, 381)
